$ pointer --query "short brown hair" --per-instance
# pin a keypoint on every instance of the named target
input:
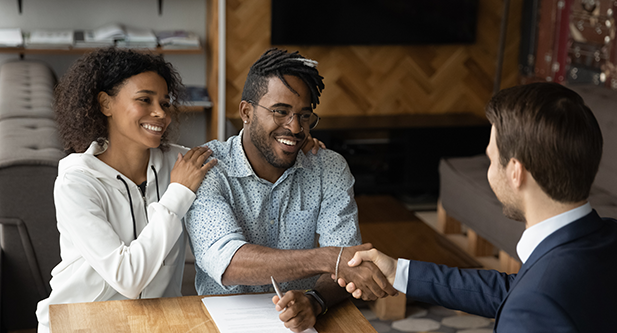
(550, 130)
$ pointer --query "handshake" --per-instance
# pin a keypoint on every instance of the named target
(369, 274)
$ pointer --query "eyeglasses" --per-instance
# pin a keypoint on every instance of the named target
(284, 117)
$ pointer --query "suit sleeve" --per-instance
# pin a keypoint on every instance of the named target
(471, 290)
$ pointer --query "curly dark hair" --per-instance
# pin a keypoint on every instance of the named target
(78, 113)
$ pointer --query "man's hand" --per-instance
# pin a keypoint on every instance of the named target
(386, 264)
(298, 311)
(365, 275)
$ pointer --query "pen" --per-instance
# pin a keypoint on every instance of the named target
(276, 287)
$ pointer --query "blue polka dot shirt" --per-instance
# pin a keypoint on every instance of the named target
(312, 200)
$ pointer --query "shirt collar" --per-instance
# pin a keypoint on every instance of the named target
(243, 167)
(534, 235)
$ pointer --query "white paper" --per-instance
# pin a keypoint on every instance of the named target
(246, 313)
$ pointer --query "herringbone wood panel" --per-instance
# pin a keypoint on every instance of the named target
(384, 80)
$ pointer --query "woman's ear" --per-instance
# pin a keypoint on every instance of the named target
(104, 102)
(246, 110)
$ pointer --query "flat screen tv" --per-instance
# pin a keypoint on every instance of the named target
(373, 22)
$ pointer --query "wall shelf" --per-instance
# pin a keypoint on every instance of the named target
(78, 51)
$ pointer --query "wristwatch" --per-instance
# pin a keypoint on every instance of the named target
(317, 296)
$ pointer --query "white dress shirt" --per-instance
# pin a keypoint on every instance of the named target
(531, 238)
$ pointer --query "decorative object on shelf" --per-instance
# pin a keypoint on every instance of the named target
(198, 96)
(574, 42)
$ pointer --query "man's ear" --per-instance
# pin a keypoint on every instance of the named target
(516, 173)
(246, 111)
(104, 102)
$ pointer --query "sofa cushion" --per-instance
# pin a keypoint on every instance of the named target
(29, 141)
(26, 90)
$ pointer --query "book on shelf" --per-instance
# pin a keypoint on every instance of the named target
(11, 37)
(197, 96)
(111, 31)
(85, 39)
(178, 39)
(138, 38)
(49, 39)
(116, 34)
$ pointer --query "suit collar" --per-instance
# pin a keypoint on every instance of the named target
(575, 230)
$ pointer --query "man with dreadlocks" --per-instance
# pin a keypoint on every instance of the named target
(259, 210)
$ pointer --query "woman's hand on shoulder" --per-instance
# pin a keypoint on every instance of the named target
(190, 169)
(312, 144)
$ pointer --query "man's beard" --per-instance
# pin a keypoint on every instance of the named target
(260, 140)
(513, 212)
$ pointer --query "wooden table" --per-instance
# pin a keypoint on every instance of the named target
(179, 314)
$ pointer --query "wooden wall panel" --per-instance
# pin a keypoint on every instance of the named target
(384, 80)
(212, 58)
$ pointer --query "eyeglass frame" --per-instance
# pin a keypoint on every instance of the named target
(290, 118)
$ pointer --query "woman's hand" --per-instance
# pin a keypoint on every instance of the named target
(190, 169)
(312, 144)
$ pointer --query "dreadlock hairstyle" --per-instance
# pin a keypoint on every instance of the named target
(275, 62)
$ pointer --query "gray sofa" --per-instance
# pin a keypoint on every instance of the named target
(29, 153)
(466, 196)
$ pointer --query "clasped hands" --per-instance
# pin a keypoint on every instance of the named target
(361, 287)
(359, 271)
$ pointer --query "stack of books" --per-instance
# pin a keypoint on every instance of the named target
(49, 39)
(11, 37)
(100, 37)
(138, 38)
(178, 39)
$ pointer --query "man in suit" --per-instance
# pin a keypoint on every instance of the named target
(545, 148)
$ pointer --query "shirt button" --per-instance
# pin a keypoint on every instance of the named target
(271, 221)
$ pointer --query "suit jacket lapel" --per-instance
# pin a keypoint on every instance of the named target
(577, 229)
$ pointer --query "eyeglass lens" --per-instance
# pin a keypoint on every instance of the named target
(306, 119)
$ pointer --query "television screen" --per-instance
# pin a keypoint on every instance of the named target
(378, 22)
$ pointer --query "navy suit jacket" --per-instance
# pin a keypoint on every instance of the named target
(568, 284)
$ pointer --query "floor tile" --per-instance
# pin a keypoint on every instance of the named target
(466, 321)
(416, 325)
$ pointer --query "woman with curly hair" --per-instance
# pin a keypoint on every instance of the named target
(120, 196)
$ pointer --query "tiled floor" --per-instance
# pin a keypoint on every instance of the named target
(426, 318)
